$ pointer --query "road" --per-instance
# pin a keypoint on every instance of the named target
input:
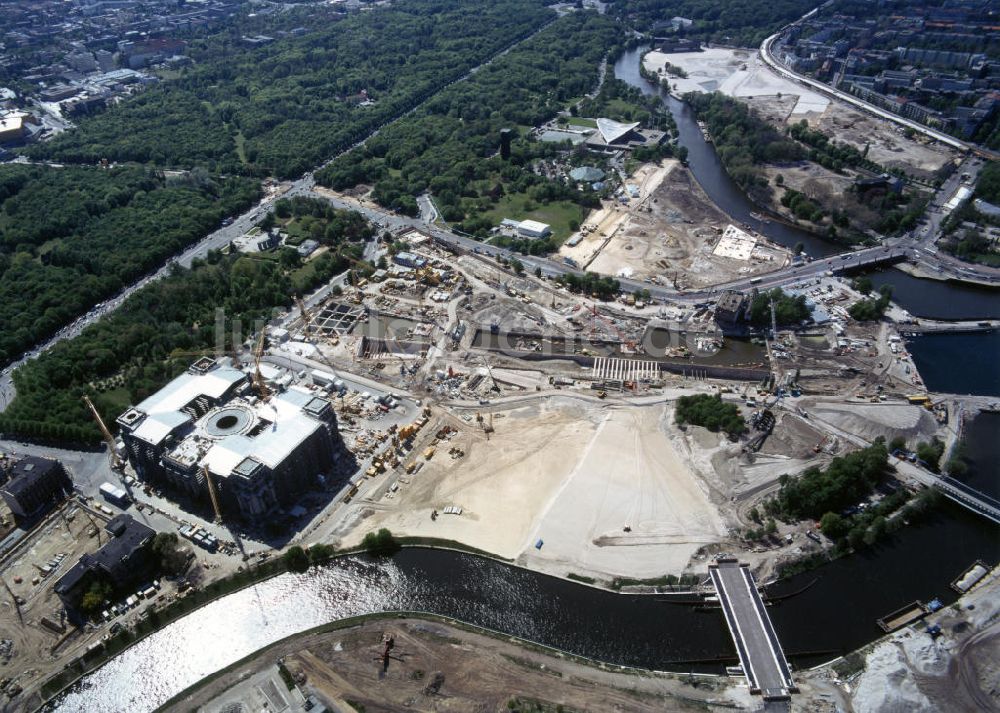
(917, 247)
(766, 48)
(220, 238)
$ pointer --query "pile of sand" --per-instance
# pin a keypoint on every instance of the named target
(889, 420)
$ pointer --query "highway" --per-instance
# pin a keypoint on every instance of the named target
(768, 57)
(218, 239)
(916, 247)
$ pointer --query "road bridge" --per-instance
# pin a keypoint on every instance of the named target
(761, 658)
(970, 498)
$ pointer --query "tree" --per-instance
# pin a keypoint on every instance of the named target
(296, 559)
(164, 546)
(711, 412)
(833, 525)
(380, 543)
(862, 284)
(95, 595)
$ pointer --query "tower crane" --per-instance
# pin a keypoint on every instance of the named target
(307, 321)
(258, 378)
(116, 460)
(211, 493)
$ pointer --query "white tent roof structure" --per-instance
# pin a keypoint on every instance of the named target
(611, 131)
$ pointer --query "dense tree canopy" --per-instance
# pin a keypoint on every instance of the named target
(788, 309)
(131, 353)
(710, 411)
(450, 145)
(284, 107)
(74, 236)
(844, 482)
(744, 24)
(742, 139)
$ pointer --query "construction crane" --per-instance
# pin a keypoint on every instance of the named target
(211, 493)
(595, 315)
(116, 460)
(489, 371)
(258, 378)
(307, 320)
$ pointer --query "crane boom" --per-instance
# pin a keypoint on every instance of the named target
(116, 460)
(307, 321)
(212, 494)
(258, 378)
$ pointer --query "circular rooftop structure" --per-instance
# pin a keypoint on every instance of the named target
(229, 421)
(586, 173)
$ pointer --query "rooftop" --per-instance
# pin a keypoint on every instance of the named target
(612, 131)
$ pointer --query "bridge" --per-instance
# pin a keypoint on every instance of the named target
(971, 498)
(761, 658)
(966, 496)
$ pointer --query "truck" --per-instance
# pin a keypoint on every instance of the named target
(114, 495)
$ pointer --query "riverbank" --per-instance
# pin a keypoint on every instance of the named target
(482, 669)
(910, 669)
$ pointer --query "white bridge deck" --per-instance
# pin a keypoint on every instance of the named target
(757, 645)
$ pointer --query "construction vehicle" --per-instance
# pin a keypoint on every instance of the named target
(429, 276)
(117, 463)
(429, 453)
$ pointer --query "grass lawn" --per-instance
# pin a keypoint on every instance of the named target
(582, 122)
(302, 276)
(557, 214)
(115, 400)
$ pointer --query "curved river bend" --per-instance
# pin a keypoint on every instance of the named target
(834, 614)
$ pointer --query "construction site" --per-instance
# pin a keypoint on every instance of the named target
(456, 398)
(743, 75)
(668, 232)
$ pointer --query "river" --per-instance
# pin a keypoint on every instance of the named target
(964, 364)
(834, 614)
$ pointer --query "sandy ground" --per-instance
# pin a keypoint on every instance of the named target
(627, 475)
(673, 239)
(741, 74)
(613, 217)
(735, 73)
(910, 671)
(571, 473)
(498, 483)
(477, 673)
(912, 422)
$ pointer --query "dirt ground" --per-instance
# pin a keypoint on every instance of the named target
(614, 217)
(741, 74)
(886, 142)
(674, 239)
(569, 472)
(477, 673)
(31, 642)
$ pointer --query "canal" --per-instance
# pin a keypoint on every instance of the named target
(833, 612)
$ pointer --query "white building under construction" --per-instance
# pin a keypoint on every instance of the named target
(261, 454)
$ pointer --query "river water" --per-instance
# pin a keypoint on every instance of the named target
(965, 364)
(833, 613)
